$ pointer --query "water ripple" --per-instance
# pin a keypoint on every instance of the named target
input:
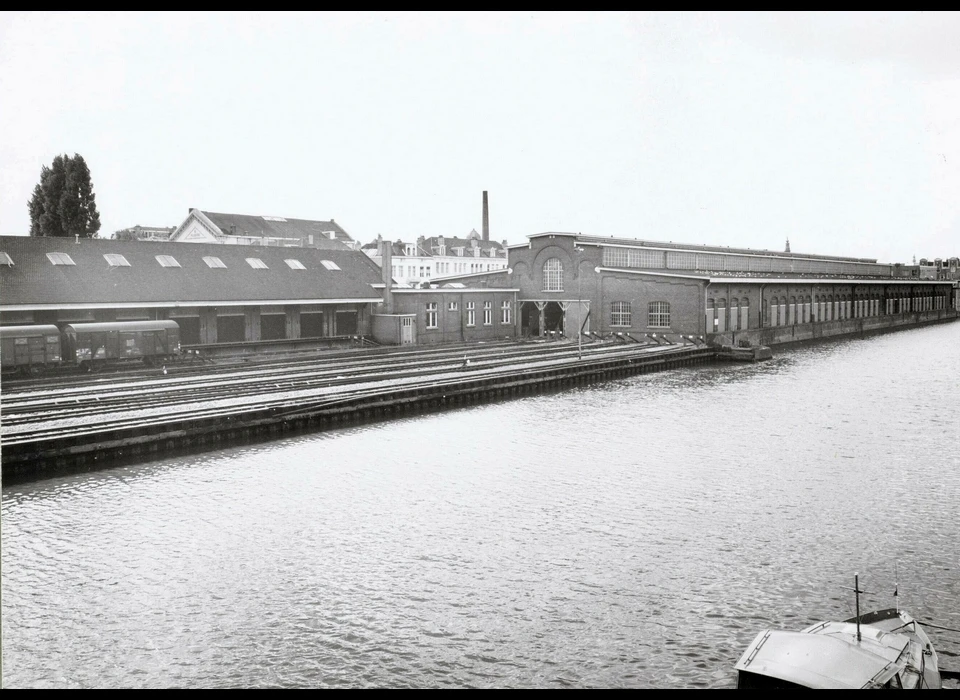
(636, 533)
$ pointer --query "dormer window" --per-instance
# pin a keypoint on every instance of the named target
(115, 260)
(60, 259)
(167, 261)
(409, 249)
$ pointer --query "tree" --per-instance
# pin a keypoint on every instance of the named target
(63, 202)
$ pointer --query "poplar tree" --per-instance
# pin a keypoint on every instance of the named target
(63, 202)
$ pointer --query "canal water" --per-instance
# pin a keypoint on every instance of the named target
(634, 533)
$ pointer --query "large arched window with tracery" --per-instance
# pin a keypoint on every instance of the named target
(553, 275)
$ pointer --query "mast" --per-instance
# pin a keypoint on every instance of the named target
(896, 586)
(856, 591)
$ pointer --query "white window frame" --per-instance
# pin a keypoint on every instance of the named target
(471, 314)
(294, 264)
(506, 311)
(115, 260)
(257, 264)
(213, 262)
(60, 259)
(167, 261)
(452, 306)
(621, 314)
(432, 316)
(553, 275)
(488, 313)
(658, 312)
(330, 265)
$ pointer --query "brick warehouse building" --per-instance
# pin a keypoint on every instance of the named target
(216, 293)
(629, 286)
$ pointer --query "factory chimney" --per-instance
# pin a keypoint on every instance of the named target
(486, 218)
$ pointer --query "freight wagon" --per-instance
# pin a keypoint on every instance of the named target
(34, 349)
(29, 349)
(87, 344)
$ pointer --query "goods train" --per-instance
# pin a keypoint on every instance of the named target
(33, 349)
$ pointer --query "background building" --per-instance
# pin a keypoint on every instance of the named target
(415, 263)
(244, 229)
(144, 233)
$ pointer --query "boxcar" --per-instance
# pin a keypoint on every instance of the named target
(95, 343)
(28, 348)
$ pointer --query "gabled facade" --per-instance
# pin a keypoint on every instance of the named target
(243, 229)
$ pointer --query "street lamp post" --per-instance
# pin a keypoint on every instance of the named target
(579, 310)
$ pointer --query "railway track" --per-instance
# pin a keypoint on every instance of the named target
(190, 365)
(79, 410)
(324, 372)
(287, 405)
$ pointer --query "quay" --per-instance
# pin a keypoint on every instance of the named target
(212, 425)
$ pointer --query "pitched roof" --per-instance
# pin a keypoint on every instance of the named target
(281, 227)
(33, 280)
(641, 243)
(396, 248)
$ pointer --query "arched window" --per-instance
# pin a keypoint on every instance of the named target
(774, 308)
(553, 275)
(793, 311)
(744, 314)
(734, 314)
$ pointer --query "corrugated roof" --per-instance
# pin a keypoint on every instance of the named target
(281, 227)
(33, 280)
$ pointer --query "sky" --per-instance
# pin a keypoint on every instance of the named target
(839, 131)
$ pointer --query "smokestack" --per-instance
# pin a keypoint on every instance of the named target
(486, 218)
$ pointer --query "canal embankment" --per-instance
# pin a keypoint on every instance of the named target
(132, 433)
